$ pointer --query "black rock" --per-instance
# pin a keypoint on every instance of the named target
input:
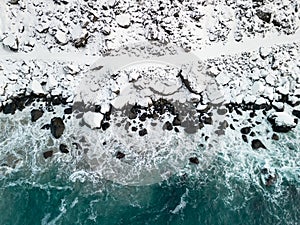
(36, 114)
(167, 126)
(275, 137)
(245, 130)
(134, 129)
(296, 113)
(10, 108)
(264, 16)
(68, 111)
(63, 148)
(120, 155)
(207, 120)
(194, 160)
(176, 121)
(143, 132)
(280, 128)
(245, 139)
(48, 154)
(256, 144)
(105, 125)
(57, 127)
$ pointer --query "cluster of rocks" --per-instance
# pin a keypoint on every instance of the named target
(101, 26)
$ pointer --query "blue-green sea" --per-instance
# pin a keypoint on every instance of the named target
(229, 191)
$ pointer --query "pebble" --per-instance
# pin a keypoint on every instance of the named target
(194, 160)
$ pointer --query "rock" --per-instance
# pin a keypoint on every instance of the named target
(143, 132)
(92, 119)
(37, 88)
(275, 137)
(245, 130)
(176, 121)
(296, 112)
(71, 69)
(245, 139)
(11, 42)
(282, 122)
(63, 148)
(258, 88)
(48, 154)
(105, 126)
(106, 30)
(120, 155)
(167, 126)
(61, 37)
(223, 79)
(68, 110)
(268, 176)
(194, 160)
(256, 144)
(36, 114)
(123, 20)
(10, 108)
(264, 16)
(57, 127)
(82, 41)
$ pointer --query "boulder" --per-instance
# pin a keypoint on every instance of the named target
(57, 127)
(282, 122)
(36, 114)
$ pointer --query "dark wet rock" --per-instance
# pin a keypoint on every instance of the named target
(176, 121)
(143, 132)
(256, 144)
(264, 16)
(167, 126)
(220, 132)
(275, 137)
(245, 130)
(134, 129)
(57, 127)
(105, 125)
(68, 111)
(48, 154)
(143, 117)
(268, 176)
(252, 134)
(207, 120)
(63, 148)
(10, 108)
(36, 114)
(176, 129)
(194, 160)
(231, 127)
(120, 155)
(222, 111)
(245, 139)
(296, 113)
(223, 125)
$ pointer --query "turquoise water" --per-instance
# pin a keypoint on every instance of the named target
(229, 191)
(52, 199)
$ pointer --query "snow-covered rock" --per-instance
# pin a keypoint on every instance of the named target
(37, 88)
(11, 42)
(61, 37)
(282, 121)
(93, 119)
(123, 20)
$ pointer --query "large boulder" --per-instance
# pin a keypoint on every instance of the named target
(282, 122)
